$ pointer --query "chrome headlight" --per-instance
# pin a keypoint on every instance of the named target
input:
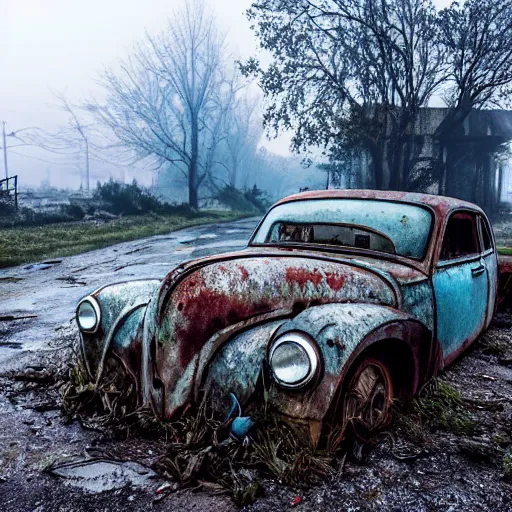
(293, 360)
(88, 314)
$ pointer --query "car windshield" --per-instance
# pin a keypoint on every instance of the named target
(381, 226)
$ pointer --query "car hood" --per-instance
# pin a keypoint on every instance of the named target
(201, 304)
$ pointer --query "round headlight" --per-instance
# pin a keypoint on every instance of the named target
(293, 360)
(88, 315)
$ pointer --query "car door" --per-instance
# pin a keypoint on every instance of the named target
(490, 257)
(460, 285)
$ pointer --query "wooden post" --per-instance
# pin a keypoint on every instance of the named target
(16, 191)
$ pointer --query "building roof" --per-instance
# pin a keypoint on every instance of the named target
(441, 204)
(481, 124)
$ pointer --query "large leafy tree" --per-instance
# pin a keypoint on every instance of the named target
(477, 36)
(350, 73)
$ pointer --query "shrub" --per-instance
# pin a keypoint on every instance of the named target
(507, 464)
(73, 211)
(120, 198)
(6, 208)
(439, 406)
(258, 198)
(250, 200)
(27, 217)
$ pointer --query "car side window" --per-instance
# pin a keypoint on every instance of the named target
(460, 237)
(486, 235)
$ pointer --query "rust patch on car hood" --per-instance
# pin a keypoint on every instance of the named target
(209, 297)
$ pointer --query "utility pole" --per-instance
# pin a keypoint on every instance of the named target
(87, 185)
(5, 151)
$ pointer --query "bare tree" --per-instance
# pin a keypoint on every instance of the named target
(243, 134)
(75, 134)
(160, 104)
(218, 124)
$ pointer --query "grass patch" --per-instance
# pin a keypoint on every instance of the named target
(507, 464)
(438, 407)
(505, 251)
(28, 244)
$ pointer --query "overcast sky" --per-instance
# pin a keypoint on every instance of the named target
(62, 46)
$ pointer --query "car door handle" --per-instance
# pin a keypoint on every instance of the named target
(476, 271)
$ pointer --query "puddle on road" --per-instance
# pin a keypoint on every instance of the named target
(98, 476)
(37, 266)
(233, 231)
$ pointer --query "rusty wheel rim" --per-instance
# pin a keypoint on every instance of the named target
(368, 400)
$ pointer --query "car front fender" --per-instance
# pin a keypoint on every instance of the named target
(237, 365)
(342, 332)
(122, 306)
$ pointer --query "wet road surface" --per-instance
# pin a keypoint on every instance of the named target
(35, 299)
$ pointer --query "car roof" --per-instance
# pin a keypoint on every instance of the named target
(442, 205)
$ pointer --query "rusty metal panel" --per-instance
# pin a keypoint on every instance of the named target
(461, 304)
(491, 264)
(127, 342)
(237, 366)
(504, 278)
(418, 301)
(115, 297)
(113, 300)
(225, 293)
(440, 204)
(338, 330)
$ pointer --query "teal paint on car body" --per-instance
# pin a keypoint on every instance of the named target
(461, 299)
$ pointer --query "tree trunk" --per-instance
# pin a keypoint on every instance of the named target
(192, 169)
(500, 183)
(376, 151)
(396, 159)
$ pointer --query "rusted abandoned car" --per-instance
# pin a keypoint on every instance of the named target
(342, 301)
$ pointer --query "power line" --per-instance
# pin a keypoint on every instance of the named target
(40, 159)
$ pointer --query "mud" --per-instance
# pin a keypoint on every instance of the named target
(447, 470)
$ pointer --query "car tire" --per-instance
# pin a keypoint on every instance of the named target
(367, 400)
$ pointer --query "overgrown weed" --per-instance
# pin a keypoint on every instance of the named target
(439, 406)
(200, 446)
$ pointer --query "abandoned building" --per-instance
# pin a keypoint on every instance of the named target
(474, 159)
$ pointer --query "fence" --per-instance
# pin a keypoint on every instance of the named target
(9, 190)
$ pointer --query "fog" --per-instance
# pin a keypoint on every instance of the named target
(62, 46)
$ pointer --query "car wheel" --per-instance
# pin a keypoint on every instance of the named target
(367, 399)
